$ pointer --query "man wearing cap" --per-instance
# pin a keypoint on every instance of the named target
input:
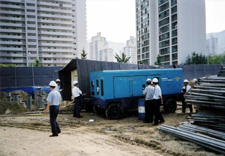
(185, 89)
(54, 102)
(157, 97)
(77, 93)
(149, 105)
(58, 84)
(195, 82)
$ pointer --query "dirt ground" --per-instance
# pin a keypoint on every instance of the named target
(22, 135)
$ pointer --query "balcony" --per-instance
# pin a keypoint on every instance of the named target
(12, 24)
(54, 16)
(13, 30)
(55, 61)
(11, 6)
(12, 49)
(55, 27)
(12, 61)
(12, 55)
(12, 43)
(56, 50)
(56, 56)
(12, 36)
(54, 10)
(55, 33)
(56, 44)
(12, 18)
(55, 39)
(54, 4)
(12, 12)
(55, 22)
(14, 1)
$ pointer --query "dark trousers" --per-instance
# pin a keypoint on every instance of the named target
(184, 105)
(54, 111)
(149, 109)
(77, 106)
(157, 114)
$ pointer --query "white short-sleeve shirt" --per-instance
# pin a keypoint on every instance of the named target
(54, 97)
(76, 91)
(157, 92)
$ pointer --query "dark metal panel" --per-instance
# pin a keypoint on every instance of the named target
(43, 71)
(126, 66)
(110, 66)
(24, 81)
(6, 82)
(23, 71)
(8, 71)
(43, 80)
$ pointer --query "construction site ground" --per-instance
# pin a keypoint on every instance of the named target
(28, 134)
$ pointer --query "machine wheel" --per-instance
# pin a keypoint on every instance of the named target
(97, 110)
(170, 106)
(114, 111)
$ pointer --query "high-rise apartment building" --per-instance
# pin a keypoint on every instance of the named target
(54, 31)
(169, 29)
(99, 49)
(212, 45)
(130, 50)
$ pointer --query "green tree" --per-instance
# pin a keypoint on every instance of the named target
(83, 55)
(140, 62)
(37, 63)
(158, 62)
(123, 59)
(7, 65)
(217, 59)
(196, 59)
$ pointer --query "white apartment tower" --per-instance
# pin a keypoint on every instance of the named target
(172, 29)
(212, 45)
(54, 31)
(130, 50)
(99, 49)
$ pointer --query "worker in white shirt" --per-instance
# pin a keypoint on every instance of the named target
(157, 97)
(185, 89)
(149, 104)
(77, 93)
(58, 84)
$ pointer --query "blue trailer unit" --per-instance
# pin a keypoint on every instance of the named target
(118, 91)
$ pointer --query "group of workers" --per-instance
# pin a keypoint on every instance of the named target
(153, 100)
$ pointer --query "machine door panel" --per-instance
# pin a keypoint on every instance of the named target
(137, 84)
(121, 87)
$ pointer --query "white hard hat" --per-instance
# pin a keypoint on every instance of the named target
(148, 80)
(185, 81)
(75, 82)
(155, 80)
(57, 80)
(52, 83)
(195, 80)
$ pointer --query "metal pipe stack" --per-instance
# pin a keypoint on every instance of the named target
(217, 145)
(209, 97)
(208, 123)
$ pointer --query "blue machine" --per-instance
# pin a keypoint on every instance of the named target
(117, 91)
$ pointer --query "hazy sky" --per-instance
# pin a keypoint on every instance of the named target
(115, 19)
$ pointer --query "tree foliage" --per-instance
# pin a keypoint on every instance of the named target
(158, 62)
(196, 58)
(83, 55)
(123, 59)
(7, 65)
(217, 59)
(37, 63)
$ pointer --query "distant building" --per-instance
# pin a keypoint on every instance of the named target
(172, 29)
(212, 45)
(131, 50)
(53, 31)
(99, 49)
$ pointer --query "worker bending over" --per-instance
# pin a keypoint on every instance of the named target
(157, 97)
(185, 89)
(77, 94)
(149, 104)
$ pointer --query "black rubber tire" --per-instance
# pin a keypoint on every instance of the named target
(114, 111)
(170, 106)
(97, 110)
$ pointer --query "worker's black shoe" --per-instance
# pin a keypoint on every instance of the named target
(80, 117)
(162, 121)
(154, 124)
(53, 135)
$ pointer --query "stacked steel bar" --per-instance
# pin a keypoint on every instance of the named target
(200, 139)
(222, 72)
(209, 97)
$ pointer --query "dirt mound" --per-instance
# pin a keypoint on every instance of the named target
(9, 107)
